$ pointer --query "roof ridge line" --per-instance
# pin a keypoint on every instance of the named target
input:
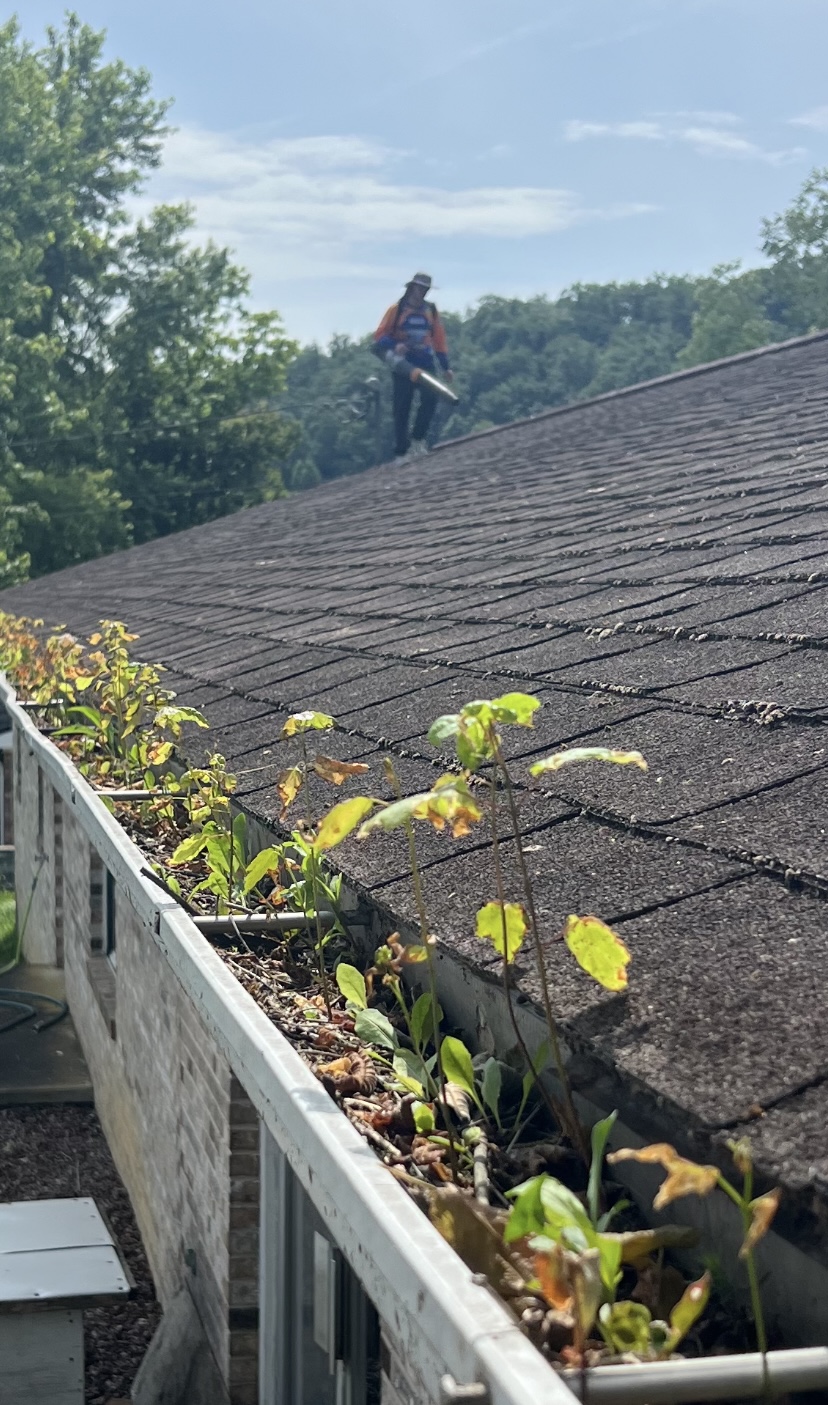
(702, 369)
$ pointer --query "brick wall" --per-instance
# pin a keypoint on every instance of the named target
(182, 1132)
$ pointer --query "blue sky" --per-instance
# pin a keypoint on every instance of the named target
(514, 149)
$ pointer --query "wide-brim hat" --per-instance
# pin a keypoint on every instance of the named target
(422, 280)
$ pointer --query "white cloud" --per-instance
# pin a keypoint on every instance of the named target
(718, 119)
(709, 134)
(641, 131)
(329, 195)
(816, 118)
(325, 224)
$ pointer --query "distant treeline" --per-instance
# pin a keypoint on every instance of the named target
(514, 358)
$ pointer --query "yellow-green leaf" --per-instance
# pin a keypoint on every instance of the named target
(762, 1211)
(517, 708)
(307, 722)
(337, 771)
(688, 1310)
(423, 1118)
(587, 753)
(341, 820)
(504, 925)
(266, 861)
(288, 785)
(626, 1326)
(449, 803)
(598, 951)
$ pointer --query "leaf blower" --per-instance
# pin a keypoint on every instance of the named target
(401, 367)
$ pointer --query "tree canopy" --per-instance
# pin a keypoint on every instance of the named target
(518, 357)
(136, 387)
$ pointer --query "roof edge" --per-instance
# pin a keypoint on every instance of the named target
(573, 405)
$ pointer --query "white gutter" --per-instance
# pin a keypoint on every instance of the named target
(438, 1317)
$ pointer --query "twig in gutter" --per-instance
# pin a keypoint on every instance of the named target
(482, 1185)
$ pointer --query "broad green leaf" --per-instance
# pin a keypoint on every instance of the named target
(598, 951)
(307, 722)
(351, 982)
(565, 1218)
(422, 1019)
(266, 861)
(393, 816)
(457, 1064)
(189, 848)
(410, 1071)
(90, 713)
(240, 835)
(479, 710)
(218, 851)
(375, 1028)
(599, 1138)
(504, 925)
(288, 785)
(342, 820)
(423, 1118)
(490, 1086)
(610, 1252)
(337, 771)
(473, 746)
(516, 708)
(625, 1326)
(688, 1310)
(444, 727)
(527, 1214)
(587, 753)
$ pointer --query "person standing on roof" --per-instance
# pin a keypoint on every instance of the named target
(411, 329)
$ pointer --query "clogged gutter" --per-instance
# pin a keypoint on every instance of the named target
(509, 1176)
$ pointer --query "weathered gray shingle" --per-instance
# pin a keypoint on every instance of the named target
(654, 564)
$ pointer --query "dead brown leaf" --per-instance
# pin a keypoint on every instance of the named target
(353, 1073)
(337, 771)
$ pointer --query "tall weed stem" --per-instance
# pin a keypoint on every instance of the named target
(574, 1129)
(320, 948)
(507, 985)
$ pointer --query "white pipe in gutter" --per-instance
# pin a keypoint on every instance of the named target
(710, 1378)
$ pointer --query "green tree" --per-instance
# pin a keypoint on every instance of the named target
(135, 386)
(797, 243)
(730, 316)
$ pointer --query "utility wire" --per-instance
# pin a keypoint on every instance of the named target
(355, 416)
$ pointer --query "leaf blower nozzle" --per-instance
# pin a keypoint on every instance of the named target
(402, 367)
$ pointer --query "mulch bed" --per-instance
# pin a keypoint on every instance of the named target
(53, 1152)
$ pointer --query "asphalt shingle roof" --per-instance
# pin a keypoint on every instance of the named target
(654, 565)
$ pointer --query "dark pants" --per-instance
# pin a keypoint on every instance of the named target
(404, 390)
